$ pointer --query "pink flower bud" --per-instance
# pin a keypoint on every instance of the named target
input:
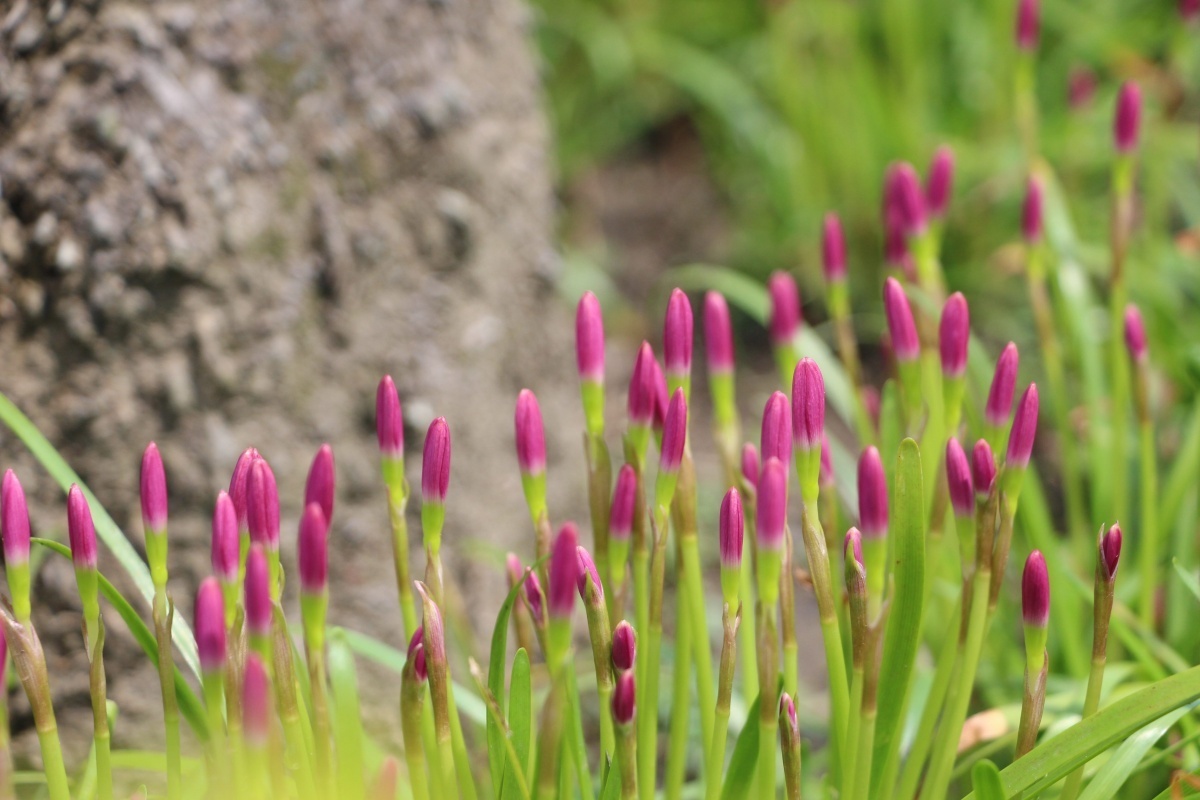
(620, 520)
(81, 530)
(512, 566)
(257, 591)
(772, 505)
(225, 545)
(954, 334)
(732, 526)
(1189, 10)
(209, 622)
(1135, 333)
(15, 520)
(564, 571)
(1081, 87)
(624, 647)
(318, 488)
(1024, 429)
(389, 421)
(643, 387)
(416, 654)
(833, 249)
(435, 466)
(624, 704)
(895, 246)
(903, 330)
(958, 477)
(1027, 25)
(154, 490)
(808, 404)
(674, 433)
(313, 550)
(852, 546)
(256, 702)
(1004, 382)
(535, 598)
(718, 333)
(750, 464)
(785, 308)
(787, 708)
(909, 199)
(238, 484)
(661, 401)
(433, 636)
(826, 479)
(1127, 122)
(587, 568)
(1035, 591)
(589, 339)
(262, 505)
(983, 469)
(776, 441)
(678, 335)
(872, 495)
(1031, 212)
(1110, 551)
(940, 182)
(531, 435)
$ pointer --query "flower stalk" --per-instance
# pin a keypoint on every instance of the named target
(389, 427)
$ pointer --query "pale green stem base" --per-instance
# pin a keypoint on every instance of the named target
(52, 764)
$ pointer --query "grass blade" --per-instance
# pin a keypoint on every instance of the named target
(1125, 760)
(740, 774)
(986, 780)
(520, 722)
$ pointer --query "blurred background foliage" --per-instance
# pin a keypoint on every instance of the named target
(796, 108)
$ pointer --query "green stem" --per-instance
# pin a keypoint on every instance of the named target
(818, 567)
(214, 701)
(693, 585)
(651, 667)
(627, 761)
(680, 707)
(94, 631)
(52, 763)
(322, 732)
(575, 738)
(1149, 553)
(408, 607)
(164, 612)
(851, 774)
(1091, 704)
(767, 720)
(1033, 701)
(787, 618)
(716, 747)
(1117, 456)
(866, 751)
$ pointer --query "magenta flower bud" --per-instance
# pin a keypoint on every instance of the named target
(256, 702)
(534, 597)
(776, 441)
(389, 421)
(958, 477)
(1110, 552)
(718, 333)
(416, 654)
(895, 245)
(587, 568)
(661, 400)
(225, 544)
(833, 249)
(1135, 333)
(262, 505)
(678, 335)
(909, 199)
(785, 308)
(826, 479)
(1035, 591)
(564, 572)
(772, 505)
(940, 183)
(620, 520)
(154, 490)
(1081, 87)
(1027, 25)
(642, 387)
(209, 621)
(589, 339)
(788, 707)
(750, 464)
(81, 530)
(257, 592)
(531, 436)
(954, 334)
(512, 565)
(624, 647)
(852, 546)
(732, 526)
(808, 405)
(1127, 121)
(983, 469)
(1189, 10)
(905, 343)
(238, 485)
(318, 488)
(15, 520)
(1031, 212)
(435, 466)
(312, 551)
(1024, 429)
(624, 704)
(872, 495)
(674, 433)
(1004, 382)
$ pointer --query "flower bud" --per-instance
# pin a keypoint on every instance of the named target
(954, 334)
(940, 182)
(661, 397)
(1024, 429)
(732, 526)
(958, 478)
(319, 486)
(1110, 552)
(313, 550)
(262, 505)
(623, 701)
(433, 631)
(642, 388)
(1127, 121)
(776, 439)
(154, 491)
(1027, 25)
(1004, 382)
(589, 339)
(808, 405)
(872, 495)
(1081, 87)
(750, 464)
(81, 530)
(718, 333)
(416, 654)
(1189, 10)
(15, 521)
(225, 555)
(535, 598)
(674, 433)
(587, 570)
(827, 480)
(256, 702)
(1031, 211)
(435, 465)
(903, 330)
(833, 249)
(238, 486)
(624, 647)
(389, 421)
(209, 622)
(909, 199)
(1135, 333)
(257, 589)
(983, 469)
(620, 521)
(785, 309)
(564, 572)
(772, 505)
(852, 547)
(678, 336)
(1035, 591)
(531, 436)
(789, 721)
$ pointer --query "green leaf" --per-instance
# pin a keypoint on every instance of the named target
(612, 782)
(347, 717)
(903, 633)
(986, 779)
(520, 722)
(1125, 760)
(1055, 758)
(740, 774)
(189, 704)
(1187, 579)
